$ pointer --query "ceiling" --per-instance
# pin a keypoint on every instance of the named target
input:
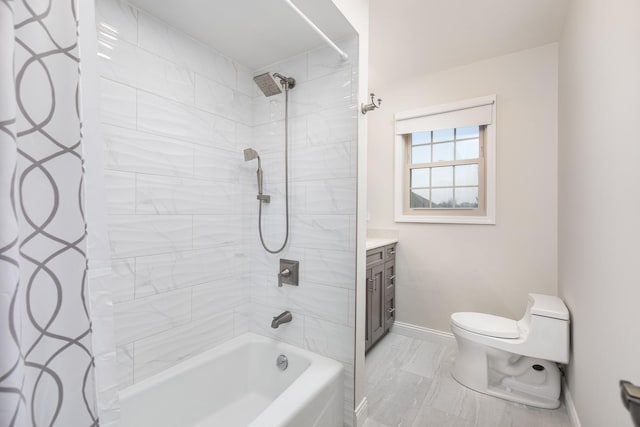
(409, 38)
(255, 33)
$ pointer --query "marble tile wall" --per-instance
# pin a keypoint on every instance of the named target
(171, 113)
(322, 185)
(189, 271)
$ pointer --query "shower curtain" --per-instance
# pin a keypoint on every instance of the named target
(46, 362)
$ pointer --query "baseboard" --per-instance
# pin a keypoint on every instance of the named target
(419, 332)
(571, 407)
(362, 412)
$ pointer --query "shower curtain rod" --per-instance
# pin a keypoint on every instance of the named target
(326, 38)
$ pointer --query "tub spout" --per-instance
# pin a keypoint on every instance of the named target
(278, 320)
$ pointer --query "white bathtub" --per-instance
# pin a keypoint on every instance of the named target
(239, 384)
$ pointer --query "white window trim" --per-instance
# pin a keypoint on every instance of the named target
(490, 166)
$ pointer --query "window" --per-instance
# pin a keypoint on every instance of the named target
(445, 163)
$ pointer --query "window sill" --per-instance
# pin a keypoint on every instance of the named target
(447, 219)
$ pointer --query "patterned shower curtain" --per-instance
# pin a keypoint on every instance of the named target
(46, 362)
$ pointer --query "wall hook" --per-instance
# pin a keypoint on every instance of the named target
(372, 106)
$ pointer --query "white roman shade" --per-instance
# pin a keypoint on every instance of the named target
(474, 112)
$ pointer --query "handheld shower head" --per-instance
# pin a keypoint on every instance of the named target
(251, 154)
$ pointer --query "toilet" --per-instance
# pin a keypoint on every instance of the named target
(514, 360)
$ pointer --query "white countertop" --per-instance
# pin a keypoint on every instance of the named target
(373, 243)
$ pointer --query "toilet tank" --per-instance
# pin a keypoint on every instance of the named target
(546, 326)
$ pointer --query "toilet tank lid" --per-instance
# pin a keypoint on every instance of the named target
(486, 324)
(548, 306)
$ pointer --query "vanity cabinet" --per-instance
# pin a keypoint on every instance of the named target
(381, 293)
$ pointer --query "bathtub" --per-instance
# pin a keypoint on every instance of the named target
(238, 384)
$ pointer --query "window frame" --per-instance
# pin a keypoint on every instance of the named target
(444, 215)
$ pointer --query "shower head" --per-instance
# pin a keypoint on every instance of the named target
(268, 85)
(250, 154)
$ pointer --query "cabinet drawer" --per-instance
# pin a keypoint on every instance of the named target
(375, 256)
(390, 253)
(389, 313)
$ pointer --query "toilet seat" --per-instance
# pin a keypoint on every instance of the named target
(486, 324)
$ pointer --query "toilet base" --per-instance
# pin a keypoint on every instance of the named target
(527, 380)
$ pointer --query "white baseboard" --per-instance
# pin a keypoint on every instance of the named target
(419, 332)
(362, 412)
(571, 407)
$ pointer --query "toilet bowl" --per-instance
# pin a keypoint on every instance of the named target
(514, 360)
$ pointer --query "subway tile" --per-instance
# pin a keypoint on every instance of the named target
(166, 272)
(117, 60)
(326, 60)
(321, 231)
(217, 296)
(217, 230)
(331, 196)
(116, 19)
(245, 83)
(132, 151)
(322, 162)
(162, 77)
(123, 279)
(329, 339)
(177, 195)
(271, 137)
(138, 235)
(331, 267)
(158, 352)
(335, 124)
(219, 165)
(117, 104)
(222, 100)
(172, 119)
(174, 45)
(124, 362)
(144, 317)
(321, 93)
(120, 192)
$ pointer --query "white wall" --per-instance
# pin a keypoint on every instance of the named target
(599, 207)
(446, 268)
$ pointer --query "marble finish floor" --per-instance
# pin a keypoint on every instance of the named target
(409, 383)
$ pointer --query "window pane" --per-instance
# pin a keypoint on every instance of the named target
(420, 138)
(466, 175)
(419, 199)
(442, 198)
(443, 152)
(467, 197)
(421, 154)
(468, 149)
(420, 177)
(442, 177)
(443, 135)
(468, 132)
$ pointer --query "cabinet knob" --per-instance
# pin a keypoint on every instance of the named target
(390, 310)
(370, 285)
(392, 277)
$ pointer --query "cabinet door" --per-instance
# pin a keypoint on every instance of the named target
(367, 332)
(389, 294)
(377, 303)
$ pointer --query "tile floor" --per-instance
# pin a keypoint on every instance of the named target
(409, 383)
